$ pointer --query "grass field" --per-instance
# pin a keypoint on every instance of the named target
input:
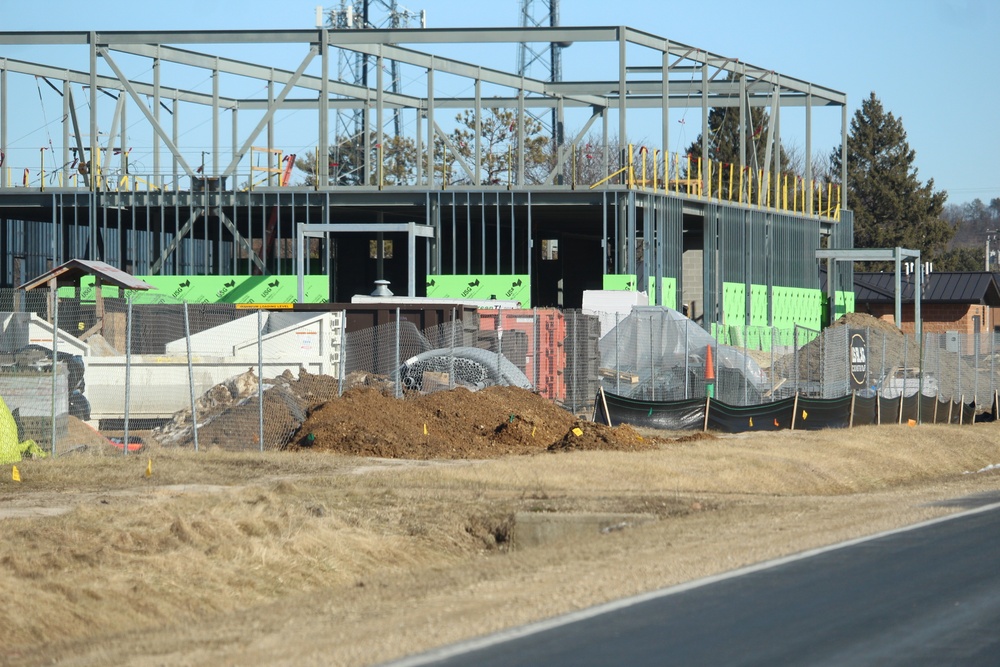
(307, 558)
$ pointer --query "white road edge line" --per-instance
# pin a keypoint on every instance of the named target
(486, 641)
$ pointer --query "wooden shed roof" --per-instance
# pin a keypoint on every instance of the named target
(70, 273)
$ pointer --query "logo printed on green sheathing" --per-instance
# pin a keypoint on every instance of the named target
(481, 287)
(215, 289)
(620, 282)
(225, 288)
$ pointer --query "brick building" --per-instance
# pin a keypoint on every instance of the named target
(964, 302)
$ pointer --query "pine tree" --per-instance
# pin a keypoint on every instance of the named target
(891, 206)
(498, 141)
(398, 157)
(724, 144)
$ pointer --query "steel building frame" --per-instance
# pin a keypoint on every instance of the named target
(156, 229)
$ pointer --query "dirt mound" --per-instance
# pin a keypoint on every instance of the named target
(893, 354)
(304, 412)
(884, 338)
(866, 321)
(229, 413)
(454, 424)
(591, 436)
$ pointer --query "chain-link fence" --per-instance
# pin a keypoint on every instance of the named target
(189, 374)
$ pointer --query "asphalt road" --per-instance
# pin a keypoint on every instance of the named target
(923, 596)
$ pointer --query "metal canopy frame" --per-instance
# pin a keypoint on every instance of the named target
(305, 230)
(896, 255)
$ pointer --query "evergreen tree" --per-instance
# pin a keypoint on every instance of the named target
(964, 258)
(399, 156)
(724, 145)
(891, 206)
(498, 141)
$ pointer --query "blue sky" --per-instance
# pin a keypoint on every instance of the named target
(931, 62)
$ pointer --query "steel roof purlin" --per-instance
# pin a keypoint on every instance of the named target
(649, 72)
(387, 42)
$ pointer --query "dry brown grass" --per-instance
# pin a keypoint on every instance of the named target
(222, 554)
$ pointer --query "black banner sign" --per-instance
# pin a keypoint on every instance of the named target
(859, 359)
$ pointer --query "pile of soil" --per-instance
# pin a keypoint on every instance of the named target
(810, 356)
(229, 413)
(305, 412)
(889, 350)
(453, 424)
(590, 436)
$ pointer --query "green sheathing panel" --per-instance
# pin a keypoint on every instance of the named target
(734, 304)
(843, 303)
(472, 286)
(669, 292)
(216, 289)
(797, 306)
(620, 282)
(734, 307)
(759, 334)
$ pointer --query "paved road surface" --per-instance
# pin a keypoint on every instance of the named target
(923, 596)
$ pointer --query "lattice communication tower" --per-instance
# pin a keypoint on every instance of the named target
(353, 67)
(544, 58)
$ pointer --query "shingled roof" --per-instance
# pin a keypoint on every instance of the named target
(969, 287)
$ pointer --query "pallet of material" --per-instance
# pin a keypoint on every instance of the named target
(612, 374)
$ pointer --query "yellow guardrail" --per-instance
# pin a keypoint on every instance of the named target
(643, 170)
(722, 181)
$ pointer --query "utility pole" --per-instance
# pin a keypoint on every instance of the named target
(990, 234)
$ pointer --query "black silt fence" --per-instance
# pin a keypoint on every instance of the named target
(813, 414)
(683, 415)
(798, 413)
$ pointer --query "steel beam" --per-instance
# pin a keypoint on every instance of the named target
(142, 107)
(270, 112)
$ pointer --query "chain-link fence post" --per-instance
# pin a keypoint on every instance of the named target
(906, 367)
(958, 364)
(774, 338)
(128, 373)
(975, 357)
(575, 359)
(342, 361)
(194, 404)
(399, 388)
(618, 367)
(746, 382)
(882, 370)
(687, 359)
(536, 327)
(260, 377)
(55, 365)
(499, 340)
(652, 370)
(795, 347)
(451, 357)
